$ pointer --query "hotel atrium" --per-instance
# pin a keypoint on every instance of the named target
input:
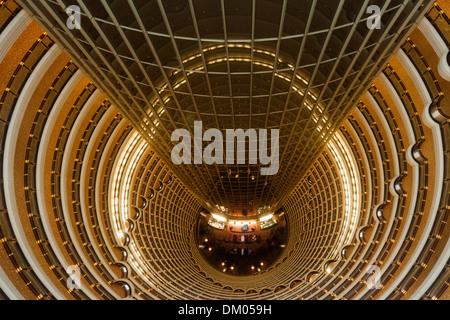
(92, 207)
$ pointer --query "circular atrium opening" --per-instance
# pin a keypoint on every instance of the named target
(242, 242)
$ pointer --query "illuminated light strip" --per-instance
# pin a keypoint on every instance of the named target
(337, 147)
(349, 175)
(126, 186)
(265, 218)
(121, 185)
(350, 182)
(10, 166)
(235, 59)
(117, 177)
(230, 45)
(219, 218)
